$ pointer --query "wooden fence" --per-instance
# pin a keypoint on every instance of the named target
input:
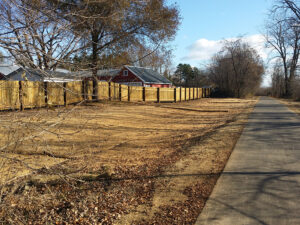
(27, 94)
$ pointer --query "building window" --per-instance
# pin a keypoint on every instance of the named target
(125, 73)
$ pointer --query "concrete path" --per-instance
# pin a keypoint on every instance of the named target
(261, 181)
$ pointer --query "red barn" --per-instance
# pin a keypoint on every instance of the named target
(139, 76)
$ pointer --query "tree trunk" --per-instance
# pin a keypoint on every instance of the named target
(95, 64)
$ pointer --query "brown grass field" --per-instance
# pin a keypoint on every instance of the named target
(115, 162)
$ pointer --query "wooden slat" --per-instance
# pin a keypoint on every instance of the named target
(136, 93)
(55, 93)
(74, 92)
(151, 94)
(9, 95)
(33, 94)
(124, 93)
(166, 94)
(103, 90)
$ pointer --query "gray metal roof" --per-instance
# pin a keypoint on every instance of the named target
(148, 75)
(29, 73)
(61, 70)
(7, 69)
(35, 73)
(100, 73)
(110, 72)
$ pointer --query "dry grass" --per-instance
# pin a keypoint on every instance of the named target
(292, 105)
(199, 168)
(167, 150)
(113, 134)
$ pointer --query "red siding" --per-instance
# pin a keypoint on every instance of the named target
(126, 79)
(160, 85)
(2, 76)
(104, 78)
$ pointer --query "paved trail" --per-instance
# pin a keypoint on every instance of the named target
(261, 181)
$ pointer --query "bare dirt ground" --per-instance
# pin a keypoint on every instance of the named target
(292, 105)
(115, 162)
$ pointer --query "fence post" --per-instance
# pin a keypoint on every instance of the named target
(120, 92)
(46, 92)
(197, 93)
(21, 95)
(65, 93)
(185, 94)
(144, 94)
(95, 89)
(114, 92)
(128, 93)
(175, 95)
(158, 95)
(180, 95)
(109, 91)
(84, 89)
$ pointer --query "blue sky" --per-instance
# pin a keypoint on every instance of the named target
(205, 23)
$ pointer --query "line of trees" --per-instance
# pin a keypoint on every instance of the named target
(188, 76)
(236, 70)
(283, 36)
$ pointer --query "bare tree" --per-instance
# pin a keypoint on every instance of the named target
(34, 37)
(158, 59)
(237, 70)
(283, 36)
(296, 89)
(110, 23)
(278, 81)
(47, 33)
(289, 5)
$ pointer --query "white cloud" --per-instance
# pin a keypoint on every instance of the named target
(204, 49)
(257, 42)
